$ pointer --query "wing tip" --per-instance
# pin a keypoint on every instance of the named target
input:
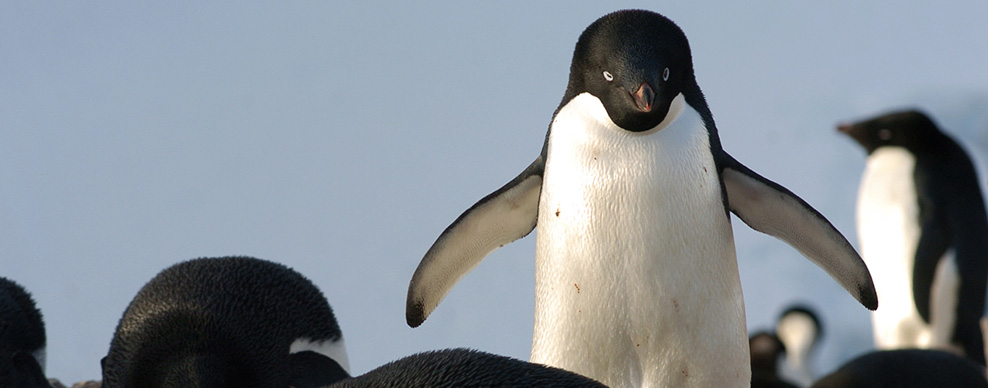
(415, 314)
(868, 297)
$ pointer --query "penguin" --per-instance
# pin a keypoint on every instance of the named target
(922, 224)
(636, 276)
(465, 368)
(22, 338)
(906, 368)
(800, 331)
(766, 349)
(226, 322)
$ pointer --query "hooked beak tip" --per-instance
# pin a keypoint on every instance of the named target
(644, 97)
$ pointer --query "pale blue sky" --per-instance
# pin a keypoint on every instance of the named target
(342, 138)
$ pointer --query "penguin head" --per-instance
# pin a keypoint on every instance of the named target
(636, 62)
(765, 348)
(910, 129)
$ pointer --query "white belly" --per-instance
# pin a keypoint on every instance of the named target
(636, 278)
(888, 229)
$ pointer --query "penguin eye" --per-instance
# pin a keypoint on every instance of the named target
(665, 74)
(884, 134)
(608, 76)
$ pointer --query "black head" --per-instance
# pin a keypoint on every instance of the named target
(21, 325)
(765, 348)
(636, 62)
(21, 369)
(909, 129)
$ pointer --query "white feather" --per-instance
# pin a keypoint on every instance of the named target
(888, 229)
(636, 278)
(335, 350)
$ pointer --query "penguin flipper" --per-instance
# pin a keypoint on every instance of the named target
(499, 218)
(312, 370)
(774, 210)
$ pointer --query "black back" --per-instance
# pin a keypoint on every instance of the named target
(224, 322)
(951, 214)
(465, 368)
(22, 333)
(908, 368)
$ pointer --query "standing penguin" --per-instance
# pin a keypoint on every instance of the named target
(22, 338)
(922, 227)
(636, 277)
(800, 331)
(226, 322)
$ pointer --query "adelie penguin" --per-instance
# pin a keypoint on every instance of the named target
(922, 227)
(226, 322)
(22, 338)
(636, 277)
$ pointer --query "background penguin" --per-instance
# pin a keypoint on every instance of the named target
(766, 350)
(906, 368)
(636, 275)
(465, 368)
(226, 322)
(800, 331)
(22, 338)
(922, 226)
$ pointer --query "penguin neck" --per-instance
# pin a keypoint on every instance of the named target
(625, 293)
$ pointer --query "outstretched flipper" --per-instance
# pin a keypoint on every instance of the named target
(505, 215)
(772, 209)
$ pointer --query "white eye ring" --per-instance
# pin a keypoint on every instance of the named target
(608, 76)
(665, 74)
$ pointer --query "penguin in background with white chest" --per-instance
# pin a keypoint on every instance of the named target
(923, 231)
(636, 276)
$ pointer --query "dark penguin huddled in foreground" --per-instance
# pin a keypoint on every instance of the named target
(22, 338)
(464, 368)
(226, 322)
(906, 368)
(636, 276)
(246, 322)
(922, 227)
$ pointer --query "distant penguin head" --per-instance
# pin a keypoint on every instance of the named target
(636, 62)
(910, 129)
(765, 350)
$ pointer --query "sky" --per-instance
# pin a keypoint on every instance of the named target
(341, 138)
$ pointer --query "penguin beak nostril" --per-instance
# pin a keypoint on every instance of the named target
(644, 97)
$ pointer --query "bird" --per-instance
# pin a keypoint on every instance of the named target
(922, 224)
(766, 348)
(799, 329)
(464, 368)
(906, 368)
(636, 274)
(23, 342)
(226, 322)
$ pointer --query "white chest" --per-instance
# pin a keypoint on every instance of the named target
(636, 277)
(888, 229)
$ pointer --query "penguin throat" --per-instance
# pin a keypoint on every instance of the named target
(594, 109)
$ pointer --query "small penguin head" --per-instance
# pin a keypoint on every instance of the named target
(910, 129)
(636, 62)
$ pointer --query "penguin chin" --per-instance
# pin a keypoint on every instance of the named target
(675, 109)
(672, 113)
(594, 111)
